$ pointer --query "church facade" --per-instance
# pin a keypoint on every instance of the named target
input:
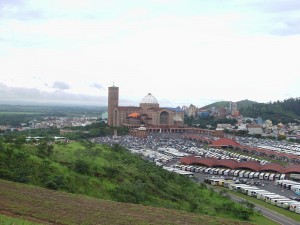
(148, 114)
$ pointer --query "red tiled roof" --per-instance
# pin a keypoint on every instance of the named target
(232, 164)
(229, 163)
(225, 142)
(272, 167)
(292, 169)
(201, 161)
(251, 165)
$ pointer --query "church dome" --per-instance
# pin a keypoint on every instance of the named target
(149, 99)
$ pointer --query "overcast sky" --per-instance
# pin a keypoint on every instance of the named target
(182, 51)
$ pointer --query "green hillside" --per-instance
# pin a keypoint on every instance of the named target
(245, 103)
(240, 104)
(281, 111)
(110, 173)
(43, 206)
(216, 105)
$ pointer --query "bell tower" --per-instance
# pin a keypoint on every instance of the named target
(113, 102)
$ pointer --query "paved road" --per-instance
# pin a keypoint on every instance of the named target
(279, 218)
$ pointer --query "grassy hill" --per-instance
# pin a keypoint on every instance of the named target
(240, 104)
(216, 105)
(43, 206)
(103, 172)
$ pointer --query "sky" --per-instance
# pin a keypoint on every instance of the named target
(182, 51)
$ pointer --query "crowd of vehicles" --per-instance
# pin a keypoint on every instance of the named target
(256, 192)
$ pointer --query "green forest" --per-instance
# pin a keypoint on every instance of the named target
(287, 111)
(110, 173)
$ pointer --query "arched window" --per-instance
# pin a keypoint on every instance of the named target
(164, 118)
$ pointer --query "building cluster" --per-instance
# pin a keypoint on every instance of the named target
(220, 113)
(53, 122)
(252, 126)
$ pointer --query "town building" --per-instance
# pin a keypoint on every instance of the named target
(254, 129)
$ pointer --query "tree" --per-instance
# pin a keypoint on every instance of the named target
(81, 166)
(45, 149)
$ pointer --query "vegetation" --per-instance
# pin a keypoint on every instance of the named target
(74, 133)
(204, 122)
(240, 104)
(94, 130)
(286, 111)
(110, 173)
(7, 220)
(55, 207)
(14, 115)
(282, 211)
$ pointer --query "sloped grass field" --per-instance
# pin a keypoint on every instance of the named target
(11, 220)
(110, 173)
(53, 207)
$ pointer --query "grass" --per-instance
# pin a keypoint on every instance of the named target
(99, 171)
(7, 220)
(282, 211)
(54, 207)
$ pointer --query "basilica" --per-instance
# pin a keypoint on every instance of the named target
(148, 114)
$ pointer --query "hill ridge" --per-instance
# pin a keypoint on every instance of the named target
(56, 207)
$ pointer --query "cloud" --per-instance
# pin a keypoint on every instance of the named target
(33, 95)
(20, 10)
(60, 85)
(97, 86)
(277, 5)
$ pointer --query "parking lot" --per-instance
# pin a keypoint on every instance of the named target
(165, 149)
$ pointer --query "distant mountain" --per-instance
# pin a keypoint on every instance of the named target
(245, 103)
(217, 105)
(240, 104)
(281, 111)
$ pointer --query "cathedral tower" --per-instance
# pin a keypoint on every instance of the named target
(113, 102)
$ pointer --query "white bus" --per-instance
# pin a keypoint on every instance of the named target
(270, 197)
(241, 174)
(246, 190)
(226, 172)
(251, 174)
(261, 176)
(236, 173)
(272, 176)
(256, 175)
(236, 187)
(246, 174)
(261, 193)
(297, 209)
(282, 198)
(266, 176)
(293, 206)
(263, 197)
(281, 203)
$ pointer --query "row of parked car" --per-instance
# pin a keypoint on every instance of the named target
(253, 191)
(273, 145)
(233, 173)
(221, 154)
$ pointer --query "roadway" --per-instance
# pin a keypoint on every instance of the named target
(277, 217)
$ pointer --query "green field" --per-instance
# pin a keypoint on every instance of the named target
(54, 207)
(12, 220)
